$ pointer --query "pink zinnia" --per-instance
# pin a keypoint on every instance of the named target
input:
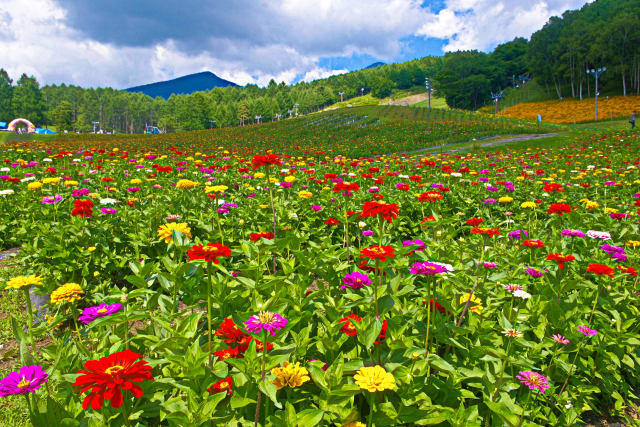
(533, 380)
(355, 280)
(427, 268)
(513, 287)
(560, 339)
(587, 331)
(27, 380)
(266, 320)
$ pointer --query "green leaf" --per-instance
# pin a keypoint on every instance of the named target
(309, 417)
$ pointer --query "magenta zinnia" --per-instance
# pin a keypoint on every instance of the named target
(533, 380)
(587, 331)
(27, 380)
(427, 268)
(355, 280)
(90, 314)
(266, 320)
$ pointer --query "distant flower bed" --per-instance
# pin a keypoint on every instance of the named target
(567, 110)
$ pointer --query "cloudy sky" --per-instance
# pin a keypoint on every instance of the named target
(122, 43)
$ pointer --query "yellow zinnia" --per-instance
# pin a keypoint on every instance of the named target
(477, 302)
(592, 205)
(374, 378)
(355, 424)
(528, 205)
(290, 375)
(305, 194)
(505, 199)
(34, 185)
(135, 181)
(290, 179)
(22, 281)
(70, 183)
(165, 231)
(69, 292)
(215, 188)
(50, 180)
(186, 184)
(633, 243)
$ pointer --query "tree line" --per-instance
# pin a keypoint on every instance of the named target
(605, 33)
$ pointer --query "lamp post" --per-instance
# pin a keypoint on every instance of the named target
(290, 113)
(597, 72)
(94, 126)
(496, 97)
(297, 105)
(361, 91)
(258, 119)
(341, 94)
(427, 84)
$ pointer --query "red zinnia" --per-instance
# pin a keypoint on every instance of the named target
(386, 210)
(550, 188)
(475, 221)
(331, 221)
(265, 160)
(229, 331)
(380, 252)
(208, 253)
(559, 208)
(349, 328)
(560, 259)
(487, 231)
(224, 385)
(257, 236)
(228, 353)
(430, 196)
(629, 270)
(82, 207)
(345, 186)
(533, 244)
(108, 376)
(600, 270)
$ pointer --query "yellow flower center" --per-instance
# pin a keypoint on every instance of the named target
(102, 310)
(24, 383)
(113, 369)
(209, 248)
(266, 317)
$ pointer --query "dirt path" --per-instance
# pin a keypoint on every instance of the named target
(492, 141)
(409, 100)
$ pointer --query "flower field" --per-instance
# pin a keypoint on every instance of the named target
(568, 110)
(201, 279)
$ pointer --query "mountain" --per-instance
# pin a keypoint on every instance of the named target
(374, 65)
(190, 83)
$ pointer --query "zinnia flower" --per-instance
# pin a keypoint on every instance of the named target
(19, 282)
(355, 280)
(600, 270)
(512, 333)
(533, 244)
(380, 252)
(374, 378)
(224, 385)
(533, 380)
(209, 252)
(254, 237)
(560, 259)
(90, 314)
(587, 331)
(230, 332)
(69, 292)
(559, 208)
(475, 303)
(271, 322)
(186, 184)
(560, 339)
(165, 231)
(265, 160)
(27, 380)
(290, 375)
(534, 272)
(427, 268)
(385, 210)
(108, 376)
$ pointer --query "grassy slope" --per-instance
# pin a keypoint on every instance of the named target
(369, 99)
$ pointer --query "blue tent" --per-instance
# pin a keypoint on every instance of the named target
(41, 131)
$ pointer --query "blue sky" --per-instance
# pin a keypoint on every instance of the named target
(123, 43)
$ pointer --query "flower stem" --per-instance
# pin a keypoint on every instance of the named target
(595, 302)
(573, 364)
(209, 290)
(426, 340)
(29, 326)
(372, 409)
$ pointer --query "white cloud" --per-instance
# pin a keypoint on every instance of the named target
(481, 24)
(279, 39)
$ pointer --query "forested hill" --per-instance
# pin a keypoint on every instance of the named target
(188, 84)
(604, 33)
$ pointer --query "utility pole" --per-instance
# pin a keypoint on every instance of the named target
(597, 73)
(496, 97)
(427, 84)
